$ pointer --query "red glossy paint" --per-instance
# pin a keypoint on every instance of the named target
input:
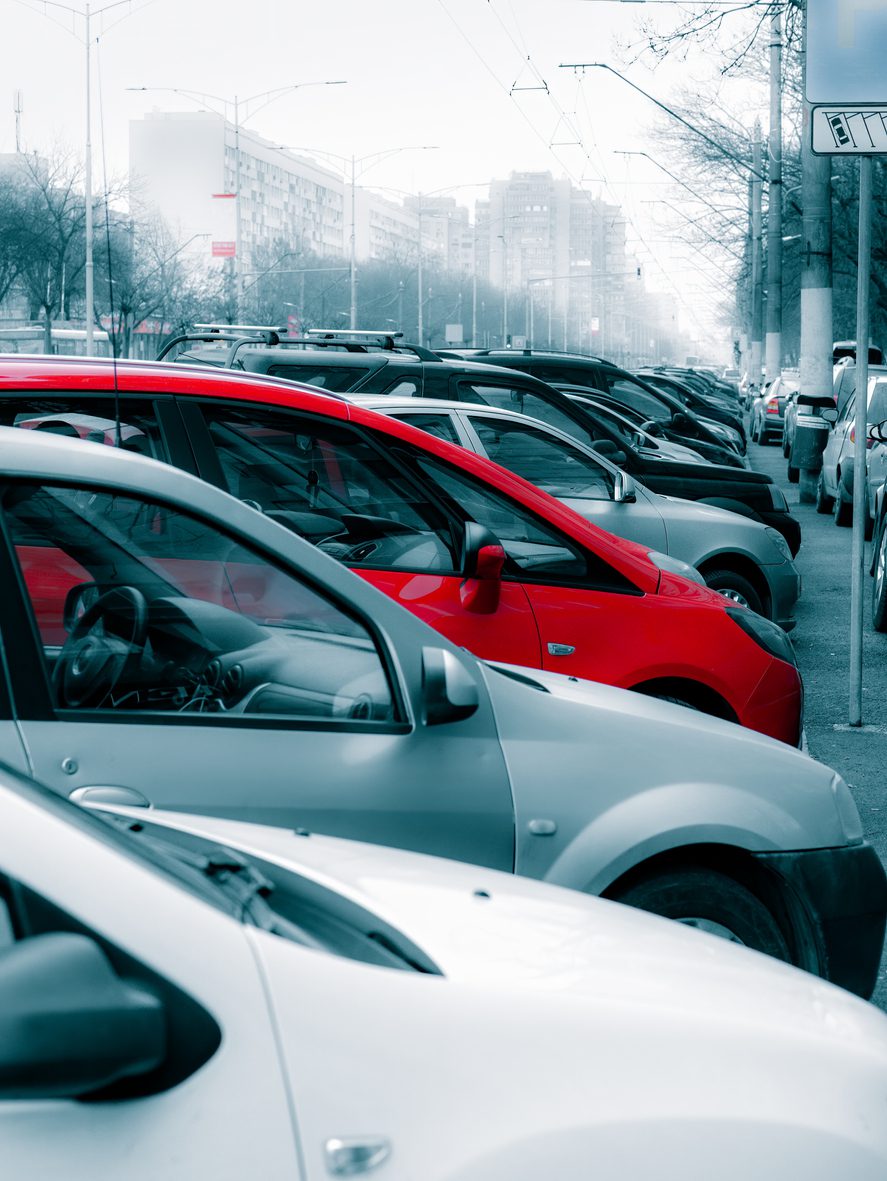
(668, 630)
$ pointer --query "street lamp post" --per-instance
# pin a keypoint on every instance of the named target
(269, 96)
(86, 14)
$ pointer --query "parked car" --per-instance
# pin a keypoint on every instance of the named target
(748, 493)
(743, 560)
(705, 397)
(612, 384)
(166, 644)
(488, 560)
(835, 488)
(768, 408)
(240, 1001)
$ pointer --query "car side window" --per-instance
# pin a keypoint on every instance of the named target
(327, 482)
(403, 387)
(439, 425)
(197, 624)
(520, 399)
(628, 393)
(94, 421)
(552, 464)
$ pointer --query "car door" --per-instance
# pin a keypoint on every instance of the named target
(571, 473)
(337, 486)
(218, 1105)
(837, 445)
(591, 618)
(182, 666)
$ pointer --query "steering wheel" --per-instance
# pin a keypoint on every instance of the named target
(653, 427)
(93, 661)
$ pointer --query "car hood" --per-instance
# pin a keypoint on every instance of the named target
(492, 930)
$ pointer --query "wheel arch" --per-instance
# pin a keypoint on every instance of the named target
(738, 563)
(739, 864)
(695, 693)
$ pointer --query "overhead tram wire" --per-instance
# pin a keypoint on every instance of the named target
(580, 143)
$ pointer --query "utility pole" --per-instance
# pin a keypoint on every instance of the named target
(757, 306)
(816, 281)
(774, 209)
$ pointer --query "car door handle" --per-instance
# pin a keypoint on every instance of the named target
(126, 797)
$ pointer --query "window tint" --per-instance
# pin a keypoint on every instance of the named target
(550, 463)
(195, 624)
(329, 484)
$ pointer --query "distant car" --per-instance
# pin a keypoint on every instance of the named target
(743, 560)
(186, 998)
(768, 409)
(166, 644)
(835, 488)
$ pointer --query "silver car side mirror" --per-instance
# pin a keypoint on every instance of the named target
(449, 691)
(624, 492)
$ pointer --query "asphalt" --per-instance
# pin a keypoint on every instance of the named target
(822, 642)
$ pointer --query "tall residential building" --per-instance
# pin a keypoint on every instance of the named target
(184, 165)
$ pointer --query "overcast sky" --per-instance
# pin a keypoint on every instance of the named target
(467, 76)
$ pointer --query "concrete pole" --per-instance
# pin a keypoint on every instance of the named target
(420, 293)
(352, 318)
(774, 210)
(757, 312)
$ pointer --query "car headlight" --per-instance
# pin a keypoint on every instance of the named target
(675, 566)
(779, 541)
(764, 633)
(848, 813)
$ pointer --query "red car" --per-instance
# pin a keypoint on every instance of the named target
(487, 559)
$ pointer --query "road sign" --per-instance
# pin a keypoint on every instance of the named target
(846, 47)
(224, 249)
(850, 130)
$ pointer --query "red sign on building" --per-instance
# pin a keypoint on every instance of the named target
(223, 249)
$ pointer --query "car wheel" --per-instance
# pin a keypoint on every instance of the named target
(824, 502)
(786, 449)
(879, 591)
(842, 509)
(712, 902)
(734, 587)
(792, 473)
(806, 487)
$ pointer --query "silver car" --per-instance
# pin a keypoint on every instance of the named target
(835, 488)
(744, 560)
(768, 408)
(164, 643)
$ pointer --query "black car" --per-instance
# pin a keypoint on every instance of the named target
(613, 384)
(419, 374)
(706, 405)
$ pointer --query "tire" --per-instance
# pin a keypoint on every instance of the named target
(879, 590)
(792, 473)
(786, 449)
(734, 587)
(806, 487)
(842, 509)
(711, 901)
(824, 502)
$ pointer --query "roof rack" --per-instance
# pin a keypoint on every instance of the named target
(239, 336)
(233, 334)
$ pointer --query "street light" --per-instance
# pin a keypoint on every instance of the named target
(86, 14)
(199, 97)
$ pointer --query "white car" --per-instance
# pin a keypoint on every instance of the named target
(744, 560)
(166, 644)
(184, 998)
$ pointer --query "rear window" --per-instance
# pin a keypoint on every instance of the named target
(337, 378)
